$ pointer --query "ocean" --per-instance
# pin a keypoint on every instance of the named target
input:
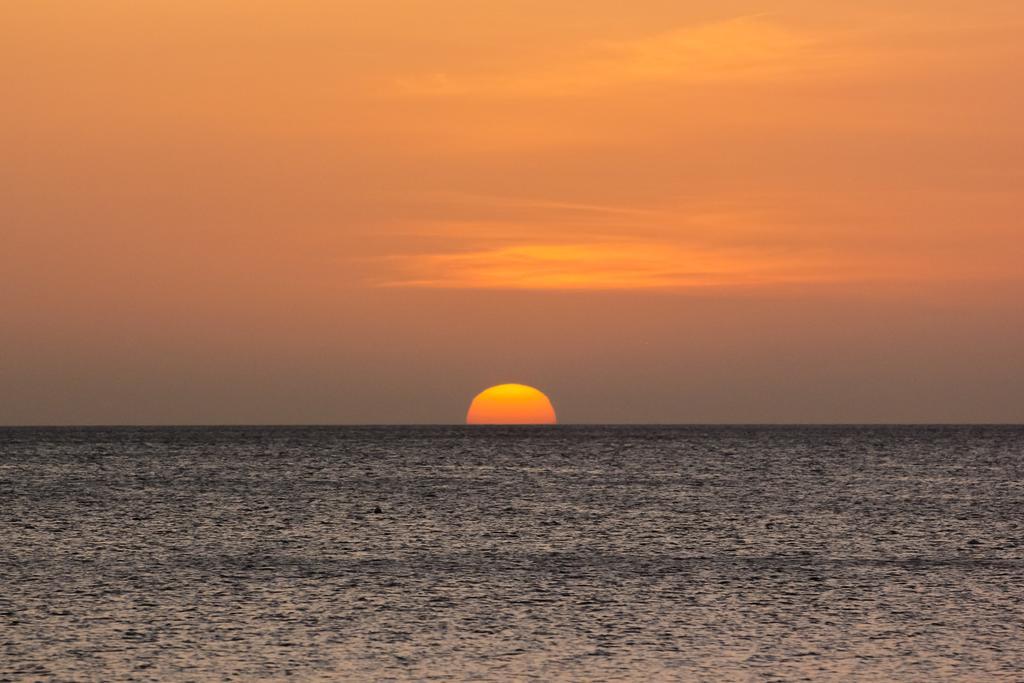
(518, 553)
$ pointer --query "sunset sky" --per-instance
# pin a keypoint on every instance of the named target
(368, 211)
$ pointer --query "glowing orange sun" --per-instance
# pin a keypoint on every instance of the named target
(511, 404)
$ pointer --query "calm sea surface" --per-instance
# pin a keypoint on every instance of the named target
(604, 553)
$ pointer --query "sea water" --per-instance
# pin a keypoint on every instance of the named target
(587, 553)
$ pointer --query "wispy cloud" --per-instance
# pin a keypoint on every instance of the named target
(530, 243)
(752, 47)
(622, 265)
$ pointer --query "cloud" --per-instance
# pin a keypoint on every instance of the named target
(613, 265)
(523, 243)
(739, 49)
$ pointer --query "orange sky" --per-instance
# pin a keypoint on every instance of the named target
(315, 211)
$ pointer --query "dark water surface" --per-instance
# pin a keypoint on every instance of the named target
(512, 553)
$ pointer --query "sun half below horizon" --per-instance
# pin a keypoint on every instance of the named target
(511, 404)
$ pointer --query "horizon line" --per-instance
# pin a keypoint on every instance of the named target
(357, 425)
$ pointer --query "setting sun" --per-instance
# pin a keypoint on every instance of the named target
(511, 404)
